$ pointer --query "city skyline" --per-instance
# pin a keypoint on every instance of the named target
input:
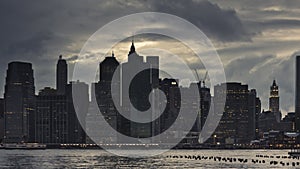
(65, 115)
(150, 84)
(66, 75)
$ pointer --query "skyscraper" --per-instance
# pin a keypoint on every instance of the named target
(19, 98)
(254, 109)
(205, 101)
(77, 110)
(107, 68)
(172, 92)
(138, 78)
(297, 100)
(105, 101)
(61, 75)
(1, 119)
(274, 101)
(56, 110)
(237, 123)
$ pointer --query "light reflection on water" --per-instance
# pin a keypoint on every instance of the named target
(102, 159)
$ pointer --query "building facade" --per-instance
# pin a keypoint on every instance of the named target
(274, 101)
(61, 75)
(59, 119)
(297, 99)
(237, 125)
(51, 117)
(1, 119)
(19, 103)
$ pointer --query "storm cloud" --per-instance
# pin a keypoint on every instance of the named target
(259, 37)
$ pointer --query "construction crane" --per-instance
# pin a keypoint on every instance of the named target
(198, 78)
(205, 77)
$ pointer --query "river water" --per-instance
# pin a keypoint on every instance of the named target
(172, 159)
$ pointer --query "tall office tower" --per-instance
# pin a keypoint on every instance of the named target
(254, 110)
(257, 114)
(1, 107)
(138, 79)
(274, 101)
(19, 99)
(297, 100)
(1, 119)
(77, 110)
(103, 93)
(61, 76)
(107, 68)
(153, 62)
(205, 101)
(236, 124)
(171, 90)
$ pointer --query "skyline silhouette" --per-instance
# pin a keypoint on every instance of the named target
(241, 119)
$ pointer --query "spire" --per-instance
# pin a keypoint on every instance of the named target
(274, 83)
(132, 48)
(112, 54)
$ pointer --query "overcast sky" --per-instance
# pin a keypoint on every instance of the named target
(256, 40)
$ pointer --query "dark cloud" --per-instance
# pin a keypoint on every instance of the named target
(223, 25)
(39, 31)
(33, 46)
(72, 58)
(280, 23)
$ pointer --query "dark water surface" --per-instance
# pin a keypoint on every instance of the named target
(102, 159)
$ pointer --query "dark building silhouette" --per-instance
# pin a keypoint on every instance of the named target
(1, 119)
(56, 118)
(51, 117)
(134, 79)
(93, 118)
(19, 103)
(107, 68)
(255, 109)
(144, 79)
(105, 101)
(171, 90)
(271, 120)
(257, 113)
(191, 103)
(77, 111)
(267, 122)
(237, 125)
(1, 107)
(205, 102)
(61, 75)
(290, 118)
(274, 101)
(297, 100)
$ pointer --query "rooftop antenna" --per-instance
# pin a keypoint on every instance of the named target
(205, 77)
(198, 78)
(132, 38)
